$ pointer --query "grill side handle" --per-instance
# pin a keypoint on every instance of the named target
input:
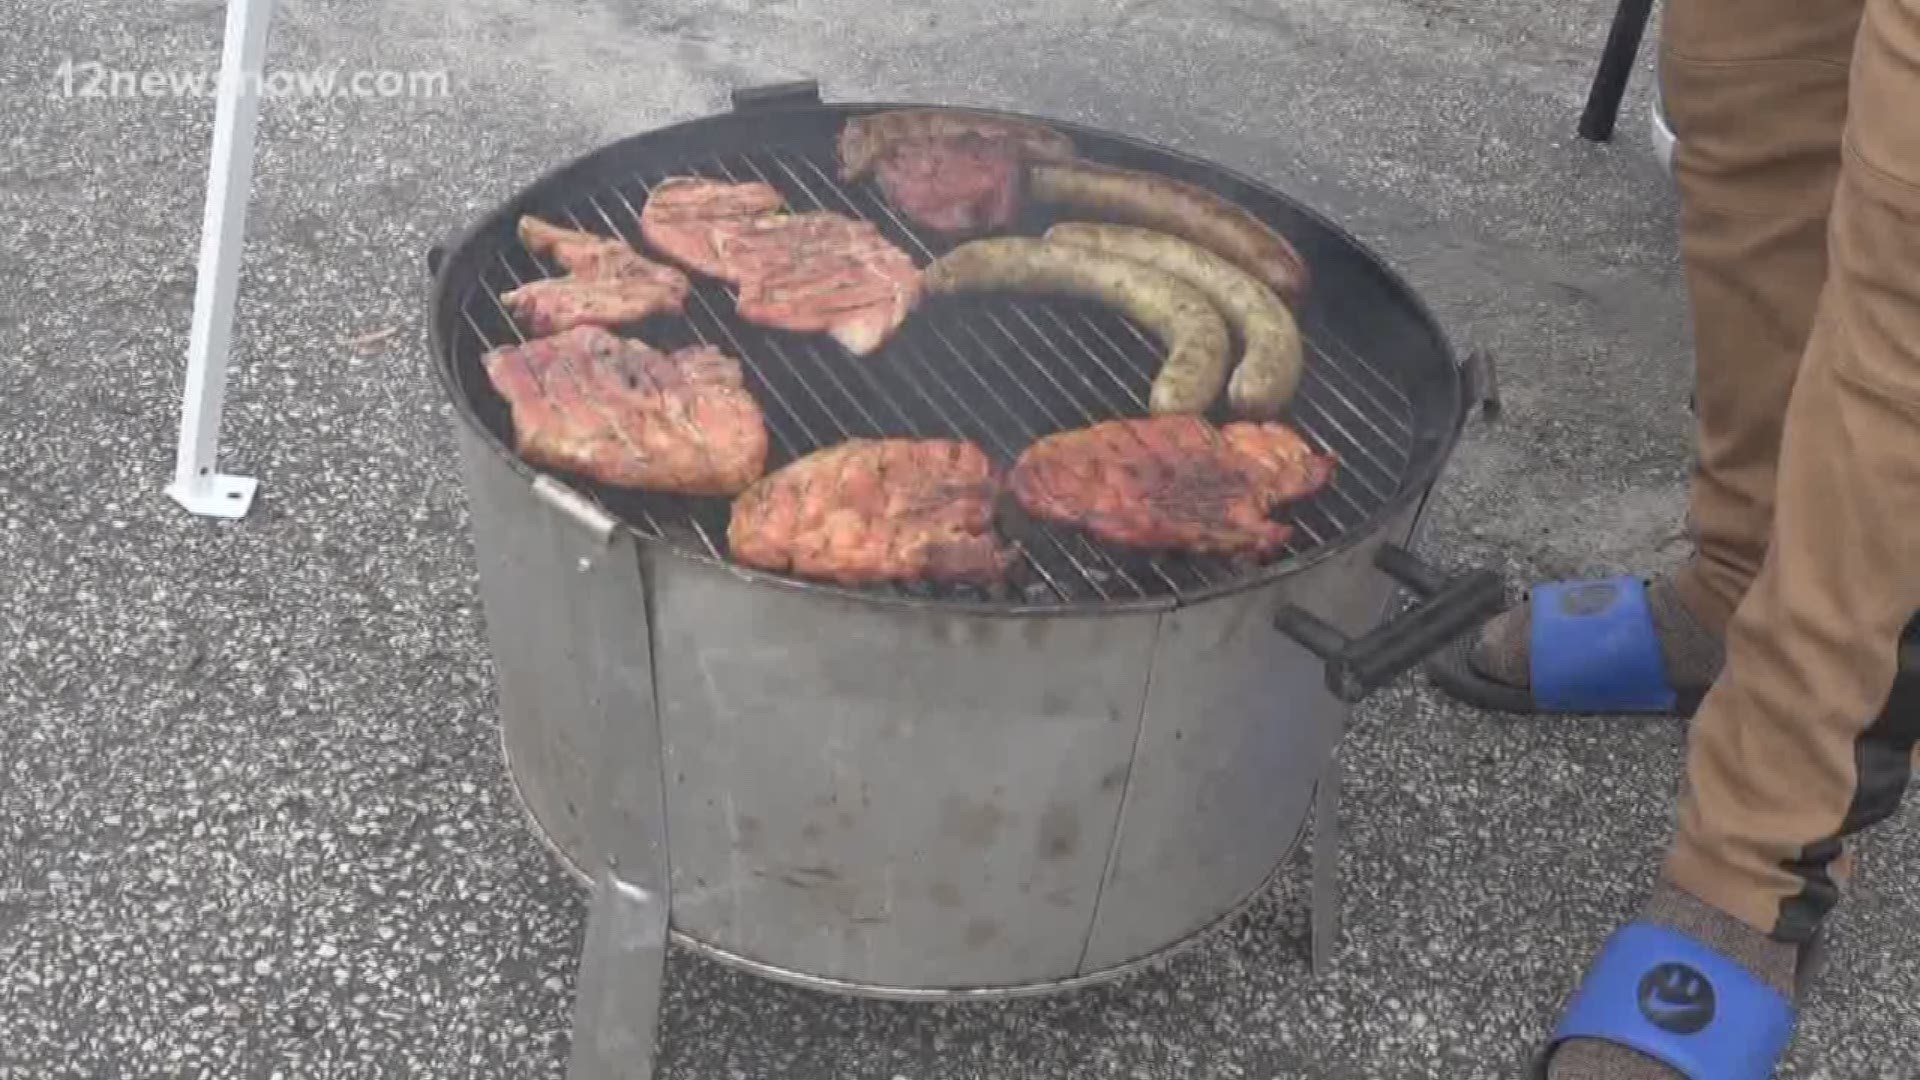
(1449, 606)
(1483, 389)
(786, 95)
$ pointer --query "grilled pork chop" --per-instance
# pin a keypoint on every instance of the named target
(876, 510)
(820, 271)
(958, 184)
(1172, 483)
(617, 411)
(686, 217)
(864, 140)
(608, 284)
(808, 272)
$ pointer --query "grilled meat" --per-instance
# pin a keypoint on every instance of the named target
(615, 410)
(608, 284)
(1181, 316)
(809, 272)
(552, 305)
(876, 510)
(588, 254)
(1172, 483)
(686, 217)
(960, 184)
(820, 271)
(865, 140)
(1292, 469)
(1274, 357)
(1161, 203)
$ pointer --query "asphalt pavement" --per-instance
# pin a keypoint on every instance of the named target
(253, 818)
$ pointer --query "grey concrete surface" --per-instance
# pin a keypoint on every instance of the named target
(253, 822)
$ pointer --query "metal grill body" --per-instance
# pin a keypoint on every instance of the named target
(931, 792)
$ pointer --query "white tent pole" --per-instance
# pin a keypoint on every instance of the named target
(197, 483)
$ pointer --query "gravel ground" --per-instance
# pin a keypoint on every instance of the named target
(253, 821)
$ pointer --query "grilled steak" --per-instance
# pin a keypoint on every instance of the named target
(865, 140)
(608, 284)
(960, 184)
(686, 217)
(809, 272)
(1172, 483)
(617, 411)
(876, 510)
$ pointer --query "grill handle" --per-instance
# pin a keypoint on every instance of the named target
(802, 92)
(1483, 388)
(1448, 607)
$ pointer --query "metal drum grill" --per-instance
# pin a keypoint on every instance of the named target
(935, 793)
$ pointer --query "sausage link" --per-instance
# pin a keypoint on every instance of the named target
(1271, 358)
(1179, 315)
(1179, 208)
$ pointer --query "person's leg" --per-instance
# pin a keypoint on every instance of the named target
(1786, 750)
(1809, 735)
(1756, 92)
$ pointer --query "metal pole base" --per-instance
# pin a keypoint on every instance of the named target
(1325, 917)
(236, 113)
(217, 495)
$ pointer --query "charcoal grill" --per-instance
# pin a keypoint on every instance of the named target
(935, 792)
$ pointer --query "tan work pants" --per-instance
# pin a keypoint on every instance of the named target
(1799, 169)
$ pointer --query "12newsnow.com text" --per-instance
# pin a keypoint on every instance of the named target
(92, 79)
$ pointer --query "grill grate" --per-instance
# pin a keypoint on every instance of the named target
(999, 371)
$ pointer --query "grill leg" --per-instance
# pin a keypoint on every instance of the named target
(623, 962)
(623, 965)
(197, 485)
(1616, 65)
(1325, 919)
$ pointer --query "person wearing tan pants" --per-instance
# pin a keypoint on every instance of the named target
(1799, 170)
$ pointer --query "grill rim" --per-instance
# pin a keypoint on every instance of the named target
(575, 178)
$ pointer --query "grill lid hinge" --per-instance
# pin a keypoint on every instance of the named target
(583, 511)
(786, 95)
